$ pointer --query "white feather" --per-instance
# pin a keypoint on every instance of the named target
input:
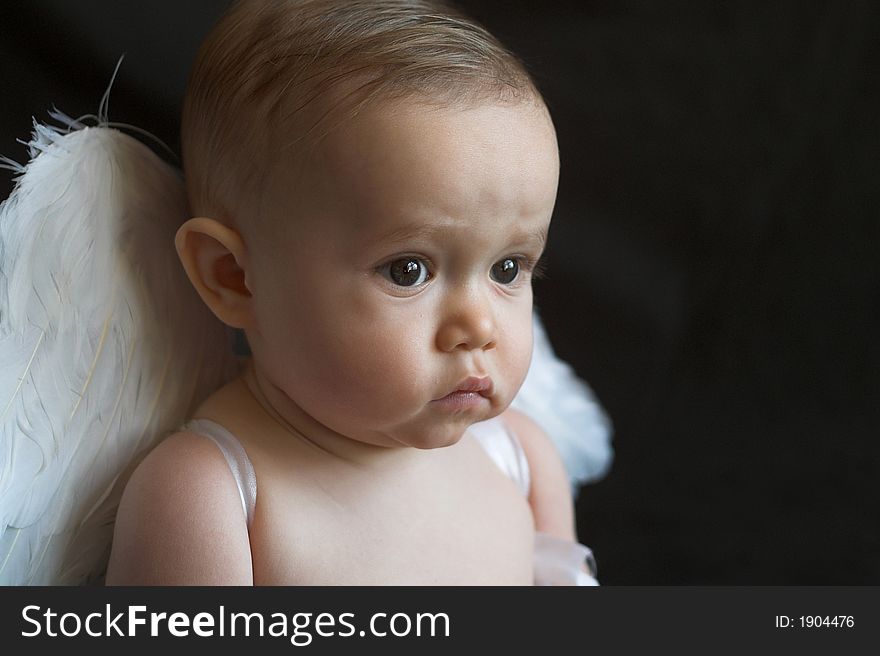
(566, 408)
(104, 345)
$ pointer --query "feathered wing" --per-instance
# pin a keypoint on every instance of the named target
(566, 408)
(104, 345)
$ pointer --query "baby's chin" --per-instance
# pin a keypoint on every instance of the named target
(446, 433)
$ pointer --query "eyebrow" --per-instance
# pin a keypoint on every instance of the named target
(539, 237)
(409, 232)
(412, 231)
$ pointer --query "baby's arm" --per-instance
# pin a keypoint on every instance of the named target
(550, 492)
(180, 521)
(559, 559)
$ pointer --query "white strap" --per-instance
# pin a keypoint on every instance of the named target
(558, 562)
(239, 463)
(505, 451)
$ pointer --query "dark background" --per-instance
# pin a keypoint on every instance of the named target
(713, 264)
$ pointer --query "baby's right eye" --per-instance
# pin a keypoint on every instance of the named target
(406, 271)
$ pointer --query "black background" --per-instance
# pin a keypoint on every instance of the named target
(712, 263)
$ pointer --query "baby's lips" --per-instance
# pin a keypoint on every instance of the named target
(481, 385)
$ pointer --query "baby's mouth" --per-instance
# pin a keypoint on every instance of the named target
(471, 392)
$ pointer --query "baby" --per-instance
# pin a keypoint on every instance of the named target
(373, 183)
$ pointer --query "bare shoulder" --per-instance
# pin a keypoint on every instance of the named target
(180, 520)
(539, 448)
(527, 431)
(549, 494)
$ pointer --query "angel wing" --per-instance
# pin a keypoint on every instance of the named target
(104, 345)
(566, 408)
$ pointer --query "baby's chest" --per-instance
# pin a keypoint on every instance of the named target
(454, 530)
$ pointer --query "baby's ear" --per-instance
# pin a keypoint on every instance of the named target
(215, 259)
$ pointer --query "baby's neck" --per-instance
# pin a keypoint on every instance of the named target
(287, 420)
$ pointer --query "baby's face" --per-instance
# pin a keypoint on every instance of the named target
(396, 309)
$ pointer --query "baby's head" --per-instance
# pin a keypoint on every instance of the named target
(374, 182)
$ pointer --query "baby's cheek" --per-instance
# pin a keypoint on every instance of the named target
(379, 367)
(518, 354)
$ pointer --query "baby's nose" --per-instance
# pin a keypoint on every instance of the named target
(468, 324)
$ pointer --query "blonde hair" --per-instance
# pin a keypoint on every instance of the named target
(274, 76)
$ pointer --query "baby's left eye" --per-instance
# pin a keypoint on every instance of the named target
(505, 271)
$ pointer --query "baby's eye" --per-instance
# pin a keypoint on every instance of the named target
(505, 271)
(406, 272)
